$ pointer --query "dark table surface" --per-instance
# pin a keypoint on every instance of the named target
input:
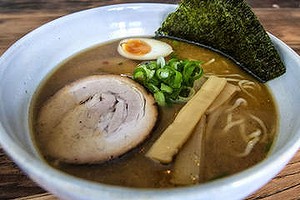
(18, 17)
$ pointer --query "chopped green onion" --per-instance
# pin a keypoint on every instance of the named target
(160, 98)
(177, 81)
(166, 88)
(185, 95)
(163, 73)
(161, 62)
(153, 88)
(170, 81)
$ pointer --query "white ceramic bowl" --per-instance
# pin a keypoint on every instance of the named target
(28, 61)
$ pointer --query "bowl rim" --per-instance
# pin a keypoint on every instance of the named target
(28, 163)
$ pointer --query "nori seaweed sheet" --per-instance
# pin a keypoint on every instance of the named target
(229, 26)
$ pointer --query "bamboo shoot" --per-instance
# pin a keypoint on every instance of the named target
(227, 93)
(180, 130)
(188, 161)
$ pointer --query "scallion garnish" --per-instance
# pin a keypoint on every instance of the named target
(170, 81)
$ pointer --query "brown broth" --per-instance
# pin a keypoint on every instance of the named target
(133, 169)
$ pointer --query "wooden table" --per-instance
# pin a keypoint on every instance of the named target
(18, 17)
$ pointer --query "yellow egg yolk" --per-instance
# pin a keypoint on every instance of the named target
(136, 47)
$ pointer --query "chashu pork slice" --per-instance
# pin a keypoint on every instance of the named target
(95, 119)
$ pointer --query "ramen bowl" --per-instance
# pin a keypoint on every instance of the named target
(27, 62)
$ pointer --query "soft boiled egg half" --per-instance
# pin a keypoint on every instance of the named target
(143, 48)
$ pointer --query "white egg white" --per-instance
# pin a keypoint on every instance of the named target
(158, 49)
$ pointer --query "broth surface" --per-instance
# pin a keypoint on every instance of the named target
(135, 170)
